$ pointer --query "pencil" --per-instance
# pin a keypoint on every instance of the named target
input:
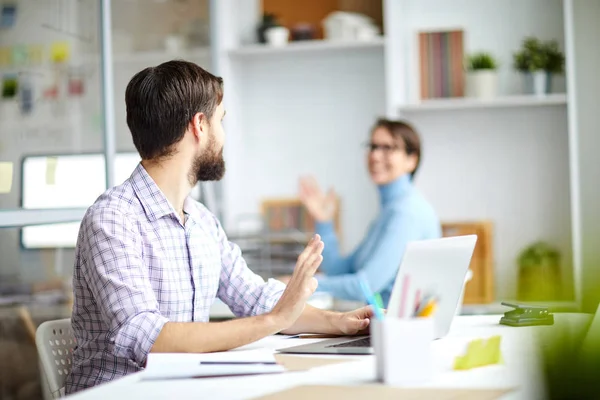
(405, 285)
(429, 309)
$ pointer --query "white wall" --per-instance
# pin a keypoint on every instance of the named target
(307, 113)
(586, 64)
(508, 166)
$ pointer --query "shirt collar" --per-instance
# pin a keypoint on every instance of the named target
(190, 207)
(155, 203)
(153, 200)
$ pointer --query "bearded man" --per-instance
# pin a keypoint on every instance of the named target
(150, 260)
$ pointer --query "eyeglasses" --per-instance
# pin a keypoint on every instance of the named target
(385, 148)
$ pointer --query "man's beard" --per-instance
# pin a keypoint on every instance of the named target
(208, 166)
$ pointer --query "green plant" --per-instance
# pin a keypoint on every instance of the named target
(536, 55)
(481, 60)
(538, 253)
(554, 58)
(539, 273)
(530, 57)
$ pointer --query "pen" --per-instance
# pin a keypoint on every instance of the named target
(378, 301)
(238, 363)
(370, 299)
(425, 299)
(417, 302)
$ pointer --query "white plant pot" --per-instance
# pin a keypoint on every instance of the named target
(277, 36)
(540, 83)
(482, 84)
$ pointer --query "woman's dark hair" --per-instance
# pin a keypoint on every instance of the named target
(404, 132)
(161, 101)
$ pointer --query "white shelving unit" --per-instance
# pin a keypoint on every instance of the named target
(494, 159)
(312, 46)
(512, 159)
(464, 103)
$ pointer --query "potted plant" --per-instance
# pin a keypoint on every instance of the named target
(539, 273)
(482, 75)
(538, 61)
(268, 21)
(554, 60)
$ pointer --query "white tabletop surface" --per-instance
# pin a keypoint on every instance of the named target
(519, 370)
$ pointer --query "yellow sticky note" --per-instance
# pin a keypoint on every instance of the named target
(479, 353)
(60, 52)
(6, 176)
(51, 170)
(5, 56)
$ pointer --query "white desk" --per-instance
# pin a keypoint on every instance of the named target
(519, 370)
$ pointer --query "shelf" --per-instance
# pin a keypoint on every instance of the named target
(498, 102)
(307, 47)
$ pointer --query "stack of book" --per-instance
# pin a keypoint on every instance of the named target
(441, 64)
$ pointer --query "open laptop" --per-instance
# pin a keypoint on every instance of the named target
(437, 267)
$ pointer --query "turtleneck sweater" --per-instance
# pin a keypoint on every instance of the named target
(405, 215)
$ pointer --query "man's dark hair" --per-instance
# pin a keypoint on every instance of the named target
(161, 101)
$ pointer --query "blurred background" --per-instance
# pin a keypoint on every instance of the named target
(502, 93)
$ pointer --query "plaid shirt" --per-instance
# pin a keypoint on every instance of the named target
(137, 267)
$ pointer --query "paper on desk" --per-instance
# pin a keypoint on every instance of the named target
(479, 353)
(6, 176)
(303, 363)
(381, 392)
(181, 366)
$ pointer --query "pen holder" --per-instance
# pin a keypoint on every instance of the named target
(403, 350)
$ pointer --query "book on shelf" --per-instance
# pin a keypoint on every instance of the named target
(441, 57)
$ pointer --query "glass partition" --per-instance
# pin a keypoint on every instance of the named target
(51, 98)
(64, 66)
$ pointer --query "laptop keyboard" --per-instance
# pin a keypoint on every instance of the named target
(364, 342)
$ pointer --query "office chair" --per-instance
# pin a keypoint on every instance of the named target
(55, 342)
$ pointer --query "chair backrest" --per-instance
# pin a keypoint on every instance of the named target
(55, 342)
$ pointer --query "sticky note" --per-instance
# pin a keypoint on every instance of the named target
(5, 56)
(51, 170)
(20, 55)
(6, 176)
(36, 54)
(59, 52)
(480, 353)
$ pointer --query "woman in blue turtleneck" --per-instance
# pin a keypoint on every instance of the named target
(394, 152)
